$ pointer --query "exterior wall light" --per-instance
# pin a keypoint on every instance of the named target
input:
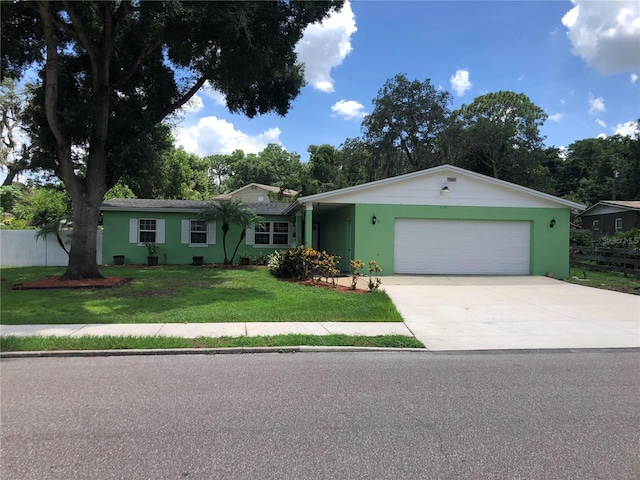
(552, 223)
(374, 219)
(444, 190)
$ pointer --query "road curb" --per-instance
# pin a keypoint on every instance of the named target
(298, 349)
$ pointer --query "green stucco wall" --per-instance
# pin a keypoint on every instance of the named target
(116, 240)
(549, 246)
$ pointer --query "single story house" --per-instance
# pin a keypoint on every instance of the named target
(128, 224)
(611, 216)
(443, 220)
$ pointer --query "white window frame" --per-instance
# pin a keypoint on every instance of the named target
(186, 231)
(252, 232)
(617, 224)
(596, 225)
(198, 228)
(134, 230)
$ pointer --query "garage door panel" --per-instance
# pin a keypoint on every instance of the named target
(462, 247)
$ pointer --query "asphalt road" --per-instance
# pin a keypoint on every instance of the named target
(322, 416)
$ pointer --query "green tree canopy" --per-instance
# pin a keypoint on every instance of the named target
(111, 71)
(405, 126)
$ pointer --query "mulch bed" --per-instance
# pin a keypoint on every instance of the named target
(55, 282)
(324, 284)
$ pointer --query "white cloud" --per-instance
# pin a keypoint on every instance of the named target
(325, 45)
(194, 105)
(595, 104)
(215, 95)
(633, 78)
(563, 152)
(606, 34)
(213, 135)
(626, 129)
(349, 110)
(601, 135)
(460, 82)
(556, 117)
(562, 101)
(601, 123)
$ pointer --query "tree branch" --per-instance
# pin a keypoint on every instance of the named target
(128, 73)
(51, 72)
(185, 98)
(81, 32)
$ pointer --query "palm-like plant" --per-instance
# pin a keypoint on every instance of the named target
(228, 212)
(245, 219)
(55, 227)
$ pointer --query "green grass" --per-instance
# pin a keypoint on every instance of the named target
(180, 294)
(41, 343)
(615, 281)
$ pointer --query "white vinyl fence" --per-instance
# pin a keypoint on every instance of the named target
(22, 248)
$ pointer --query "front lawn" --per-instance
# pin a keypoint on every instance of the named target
(181, 294)
(615, 281)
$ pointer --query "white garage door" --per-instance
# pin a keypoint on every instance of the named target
(461, 247)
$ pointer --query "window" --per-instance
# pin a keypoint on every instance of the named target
(596, 224)
(263, 234)
(198, 231)
(272, 233)
(280, 233)
(618, 224)
(147, 230)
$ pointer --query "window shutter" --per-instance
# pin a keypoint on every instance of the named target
(250, 238)
(185, 231)
(211, 233)
(292, 240)
(133, 230)
(160, 230)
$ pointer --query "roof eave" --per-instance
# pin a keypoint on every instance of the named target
(431, 171)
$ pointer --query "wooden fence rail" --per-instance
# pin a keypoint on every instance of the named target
(606, 259)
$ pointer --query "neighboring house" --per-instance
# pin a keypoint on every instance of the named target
(174, 225)
(611, 216)
(258, 193)
(444, 220)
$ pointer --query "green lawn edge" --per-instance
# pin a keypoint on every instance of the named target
(52, 343)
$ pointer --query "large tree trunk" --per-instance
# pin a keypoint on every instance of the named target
(82, 256)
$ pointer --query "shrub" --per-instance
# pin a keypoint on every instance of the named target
(629, 240)
(580, 238)
(260, 259)
(356, 266)
(303, 263)
(374, 270)
(275, 263)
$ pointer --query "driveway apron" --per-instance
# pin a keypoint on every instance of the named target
(487, 313)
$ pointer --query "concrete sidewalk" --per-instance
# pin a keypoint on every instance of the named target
(194, 330)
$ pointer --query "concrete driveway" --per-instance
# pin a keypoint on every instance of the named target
(484, 313)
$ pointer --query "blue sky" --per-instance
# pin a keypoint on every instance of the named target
(578, 60)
